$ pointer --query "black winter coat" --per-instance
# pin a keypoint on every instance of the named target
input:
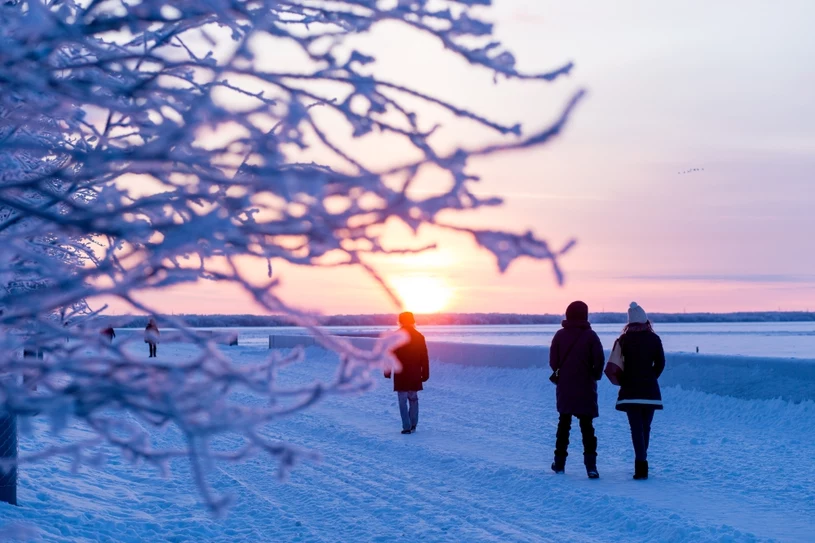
(151, 334)
(644, 361)
(577, 355)
(415, 363)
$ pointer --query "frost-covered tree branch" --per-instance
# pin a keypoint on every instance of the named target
(144, 145)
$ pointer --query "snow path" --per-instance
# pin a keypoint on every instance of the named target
(723, 469)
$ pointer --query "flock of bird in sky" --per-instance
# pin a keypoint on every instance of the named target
(692, 170)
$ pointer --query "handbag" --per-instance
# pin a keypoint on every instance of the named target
(616, 364)
(555, 377)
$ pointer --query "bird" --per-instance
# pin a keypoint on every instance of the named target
(691, 170)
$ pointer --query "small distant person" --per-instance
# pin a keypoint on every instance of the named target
(152, 336)
(29, 374)
(576, 358)
(109, 333)
(415, 370)
(641, 362)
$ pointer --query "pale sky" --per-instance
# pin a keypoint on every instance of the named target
(726, 86)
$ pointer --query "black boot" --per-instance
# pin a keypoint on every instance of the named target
(640, 470)
(591, 466)
(559, 465)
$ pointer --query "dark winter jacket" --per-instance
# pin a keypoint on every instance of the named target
(415, 363)
(577, 355)
(644, 363)
(151, 333)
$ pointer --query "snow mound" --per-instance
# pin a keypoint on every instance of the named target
(745, 377)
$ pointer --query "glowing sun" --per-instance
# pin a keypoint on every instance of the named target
(422, 294)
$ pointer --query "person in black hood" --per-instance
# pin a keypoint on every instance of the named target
(576, 358)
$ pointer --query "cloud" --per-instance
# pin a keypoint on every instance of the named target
(726, 278)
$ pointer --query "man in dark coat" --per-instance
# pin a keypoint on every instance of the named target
(576, 357)
(415, 370)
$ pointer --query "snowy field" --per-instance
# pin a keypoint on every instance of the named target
(723, 469)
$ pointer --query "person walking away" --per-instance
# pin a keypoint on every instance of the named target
(415, 370)
(576, 358)
(636, 363)
(30, 374)
(109, 333)
(152, 336)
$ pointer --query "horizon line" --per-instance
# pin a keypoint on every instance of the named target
(470, 313)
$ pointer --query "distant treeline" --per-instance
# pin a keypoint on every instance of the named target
(213, 321)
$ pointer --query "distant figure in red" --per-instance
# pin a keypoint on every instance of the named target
(415, 370)
(109, 333)
(152, 336)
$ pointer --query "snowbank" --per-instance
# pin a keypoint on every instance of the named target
(290, 342)
(463, 354)
(746, 377)
(171, 335)
(751, 378)
(470, 354)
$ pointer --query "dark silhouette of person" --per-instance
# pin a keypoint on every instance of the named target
(109, 333)
(152, 336)
(640, 396)
(29, 374)
(415, 370)
(576, 356)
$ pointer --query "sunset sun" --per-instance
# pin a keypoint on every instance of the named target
(423, 294)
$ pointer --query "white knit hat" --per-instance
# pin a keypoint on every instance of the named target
(636, 314)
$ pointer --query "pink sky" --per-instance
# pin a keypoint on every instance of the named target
(697, 85)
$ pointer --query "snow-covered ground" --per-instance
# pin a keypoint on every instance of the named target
(723, 469)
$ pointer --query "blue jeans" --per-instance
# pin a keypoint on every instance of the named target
(639, 418)
(410, 417)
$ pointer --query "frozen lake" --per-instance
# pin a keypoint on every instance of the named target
(783, 340)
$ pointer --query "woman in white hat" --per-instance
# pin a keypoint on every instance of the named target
(637, 360)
